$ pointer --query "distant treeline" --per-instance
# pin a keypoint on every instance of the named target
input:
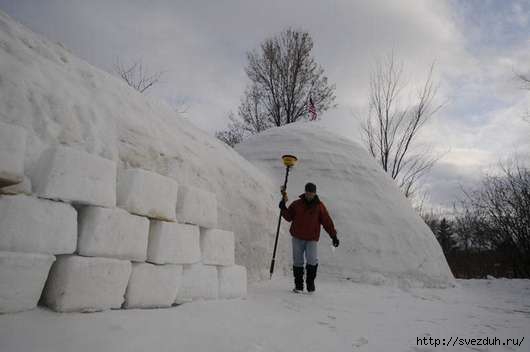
(489, 233)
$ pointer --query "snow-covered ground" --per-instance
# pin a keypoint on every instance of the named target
(341, 316)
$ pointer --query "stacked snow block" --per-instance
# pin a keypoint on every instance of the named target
(216, 276)
(25, 227)
(197, 206)
(173, 243)
(29, 224)
(217, 247)
(82, 284)
(119, 247)
(96, 277)
(12, 150)
(154, 196)
(153, 286)
(145, 193)
(112, 233)
(113, 238)
(22, 278)
(74, 176)
(199, 281)
(32, 231)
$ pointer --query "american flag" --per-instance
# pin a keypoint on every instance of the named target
(312, 110)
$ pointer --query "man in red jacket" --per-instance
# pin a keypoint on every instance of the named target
(307, 214)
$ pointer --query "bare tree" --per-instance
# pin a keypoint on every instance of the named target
(392, 124)
(283, 76)
(252, 112)
(136, 76)
(505, 201)
(234, 134)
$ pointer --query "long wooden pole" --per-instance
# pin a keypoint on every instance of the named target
(278, 228)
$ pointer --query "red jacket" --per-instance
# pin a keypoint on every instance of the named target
(307, 217)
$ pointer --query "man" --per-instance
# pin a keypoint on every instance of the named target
(307, 214)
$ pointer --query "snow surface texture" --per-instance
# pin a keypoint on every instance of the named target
(383, 240)
(60, 99)
(340, 317)
(12, 149)
(112, 233)
(22, 278)
(29, 224)
(82, 284)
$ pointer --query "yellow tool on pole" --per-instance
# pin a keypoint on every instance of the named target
(289, 161)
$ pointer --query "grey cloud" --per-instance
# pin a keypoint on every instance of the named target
(202, 44)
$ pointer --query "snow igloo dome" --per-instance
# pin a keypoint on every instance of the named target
(383, 240)
(62, 104)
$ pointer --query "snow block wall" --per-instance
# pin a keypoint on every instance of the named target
(102, 251)
(83, 138)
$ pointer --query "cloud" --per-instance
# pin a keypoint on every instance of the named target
(202, 47)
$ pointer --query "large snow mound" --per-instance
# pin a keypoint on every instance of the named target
(59, 99)
(382, 238)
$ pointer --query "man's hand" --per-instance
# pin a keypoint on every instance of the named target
(335, 241)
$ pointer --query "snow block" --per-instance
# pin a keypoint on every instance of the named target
(22, 187)
(174, 243)
(147, 193)
(217, 247)
(75, 176)
(29, 224)
(198, 282)
(12, 150)
(81, 284)
(197, 206)
(112, 233)
(22, 278)
(232, 281)
(152, 286)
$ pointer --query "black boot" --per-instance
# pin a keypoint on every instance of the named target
(311, 275)
(298, 272)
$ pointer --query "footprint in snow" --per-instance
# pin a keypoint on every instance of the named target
(361, 341)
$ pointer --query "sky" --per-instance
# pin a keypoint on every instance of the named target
(477, 47)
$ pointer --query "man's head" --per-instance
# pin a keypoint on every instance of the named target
(310, 190)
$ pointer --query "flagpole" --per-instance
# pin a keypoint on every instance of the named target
(311, 111)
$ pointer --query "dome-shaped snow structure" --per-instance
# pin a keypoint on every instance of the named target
(382, 237)
(59, 99)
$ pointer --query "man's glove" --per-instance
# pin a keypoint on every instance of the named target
(335, 241)
(284, 198)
